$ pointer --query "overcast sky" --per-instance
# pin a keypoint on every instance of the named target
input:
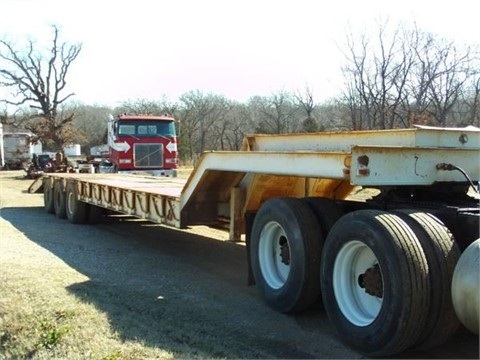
(238, 48)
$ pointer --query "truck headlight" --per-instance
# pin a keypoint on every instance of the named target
(171, 161)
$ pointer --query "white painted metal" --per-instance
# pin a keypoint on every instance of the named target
(466, 287)
(422, 136)
(274, 270)
(411, 166)
(353, 259)
(386, 165)
(309, 164)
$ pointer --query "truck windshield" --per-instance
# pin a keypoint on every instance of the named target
(147, 128)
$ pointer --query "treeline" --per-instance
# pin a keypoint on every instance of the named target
(207, 121)
(398, 78)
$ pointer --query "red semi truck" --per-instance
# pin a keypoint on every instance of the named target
(142, 143)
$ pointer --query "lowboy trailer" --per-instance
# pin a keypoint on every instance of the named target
(382, 266)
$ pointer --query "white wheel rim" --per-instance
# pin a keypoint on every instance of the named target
(274, 269)
(359, 307)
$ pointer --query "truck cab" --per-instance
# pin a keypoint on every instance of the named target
(143, 143)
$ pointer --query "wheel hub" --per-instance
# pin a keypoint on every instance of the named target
(284, 250)
(371, 281)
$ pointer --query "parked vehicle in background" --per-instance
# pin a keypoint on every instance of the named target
(18, 149)
(141, 143)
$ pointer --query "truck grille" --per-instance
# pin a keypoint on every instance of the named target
(148, 155)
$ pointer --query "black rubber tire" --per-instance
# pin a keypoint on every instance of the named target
(292, 222)
(59, 200)
(76, 210)
(442, 254)
(390, 323)
(95, 214)
(48, 196)
(327, 212)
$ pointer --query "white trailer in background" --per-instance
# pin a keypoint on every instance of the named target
(18, 149)
(382, 266)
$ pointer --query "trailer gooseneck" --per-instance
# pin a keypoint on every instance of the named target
(382, 267)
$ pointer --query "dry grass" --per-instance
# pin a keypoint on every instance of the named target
(184, 171)
(41, 319)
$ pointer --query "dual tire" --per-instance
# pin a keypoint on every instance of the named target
(59, 200)
(442, 254)
(375, 285)
(76, 210)
(384, 275)
(62, 200)
(48, 196)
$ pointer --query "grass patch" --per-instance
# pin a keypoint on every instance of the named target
(26, 329)
(42, 320)
(51, 331)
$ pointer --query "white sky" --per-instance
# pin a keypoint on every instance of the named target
(136, 49)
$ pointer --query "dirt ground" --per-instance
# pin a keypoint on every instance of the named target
(190, 286)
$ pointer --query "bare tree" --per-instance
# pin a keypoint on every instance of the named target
(147, 107)
(439, 78)
(409, 77)
(471, 101)
(198, 114)
(376, 74)
(229, 132)
(445, 88)
(306, 103)
(92, 121)
(331, 115)
(467, 109)
(275, 114)
(38, 81)
(420, 78)
(358, 94)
